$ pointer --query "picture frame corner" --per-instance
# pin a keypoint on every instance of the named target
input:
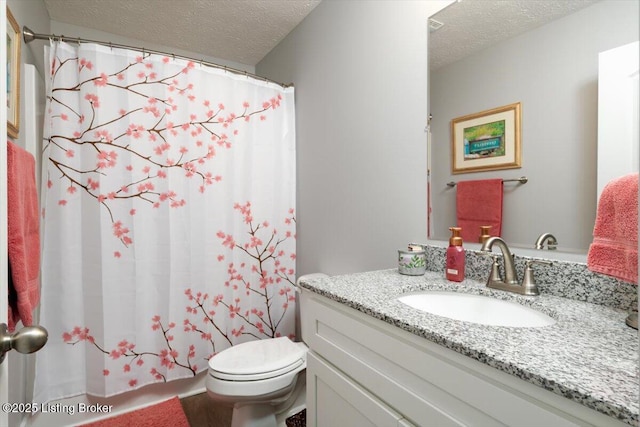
(14, 62)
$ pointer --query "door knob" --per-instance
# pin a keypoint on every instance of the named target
(27, 340)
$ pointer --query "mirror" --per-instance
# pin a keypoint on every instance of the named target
(552, 70)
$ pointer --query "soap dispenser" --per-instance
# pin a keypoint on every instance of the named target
(454, 269)
(484, 233)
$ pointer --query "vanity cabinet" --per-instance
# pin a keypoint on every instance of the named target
(339, 401)
(362, 371)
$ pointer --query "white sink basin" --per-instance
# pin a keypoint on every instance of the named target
(476, 309)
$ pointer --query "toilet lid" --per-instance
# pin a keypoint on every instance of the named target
(259, 359)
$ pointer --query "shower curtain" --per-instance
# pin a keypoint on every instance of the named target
(168, 218)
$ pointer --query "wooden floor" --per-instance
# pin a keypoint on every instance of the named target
(202, 412)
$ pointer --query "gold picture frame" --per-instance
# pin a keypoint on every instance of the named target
(13, 76)
(488, 140)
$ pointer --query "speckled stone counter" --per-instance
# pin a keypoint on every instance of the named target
(589, 355)
(566, 279)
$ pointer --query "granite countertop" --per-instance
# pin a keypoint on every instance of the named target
(589, 355)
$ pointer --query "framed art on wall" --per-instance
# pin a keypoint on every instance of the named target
(488, 140)
(13, 76)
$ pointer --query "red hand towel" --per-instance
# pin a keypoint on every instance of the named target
(614, 250)
(479, 203)
(23, 234)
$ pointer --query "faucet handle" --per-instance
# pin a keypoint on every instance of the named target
(538, 261)
(552, 242)
(528, 280)
(494, 276)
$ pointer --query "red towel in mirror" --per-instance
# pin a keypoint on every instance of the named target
(23, 235)
(614, 250)
(479, 203)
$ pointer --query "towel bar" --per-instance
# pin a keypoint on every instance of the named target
(521, 180)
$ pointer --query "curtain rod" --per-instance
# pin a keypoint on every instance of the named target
(28, 35)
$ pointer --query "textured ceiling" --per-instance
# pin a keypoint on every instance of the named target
(472, 25)
(242, 31)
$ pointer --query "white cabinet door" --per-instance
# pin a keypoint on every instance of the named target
(335, 400)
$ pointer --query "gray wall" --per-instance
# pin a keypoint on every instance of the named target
(553, 72)
(360, 72)
(34, 15)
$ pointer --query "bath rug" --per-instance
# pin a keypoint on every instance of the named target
(164, 414)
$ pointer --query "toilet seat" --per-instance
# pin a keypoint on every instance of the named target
(258, 360)
(256, 376)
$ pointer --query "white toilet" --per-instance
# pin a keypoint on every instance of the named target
(263, 380)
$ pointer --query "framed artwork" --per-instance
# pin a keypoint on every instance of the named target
(485, 141)
(13, 76)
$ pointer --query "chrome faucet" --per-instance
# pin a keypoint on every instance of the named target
(552, 242)
(510, 282)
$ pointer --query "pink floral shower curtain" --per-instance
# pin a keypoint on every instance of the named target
(168, 218)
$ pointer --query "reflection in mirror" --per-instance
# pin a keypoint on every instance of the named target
(618, 112)
(552, 70)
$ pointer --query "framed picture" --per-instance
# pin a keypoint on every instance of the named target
(489, 140)
(13, 76)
